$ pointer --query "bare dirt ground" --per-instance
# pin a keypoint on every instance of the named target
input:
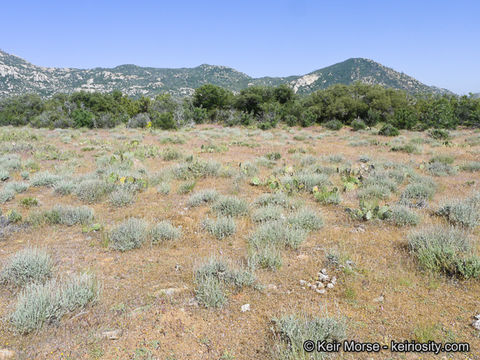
(153, 325)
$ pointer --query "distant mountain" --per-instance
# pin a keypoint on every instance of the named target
(476, 96)
(18, 76)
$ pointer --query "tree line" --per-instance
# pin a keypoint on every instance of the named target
(358, 105)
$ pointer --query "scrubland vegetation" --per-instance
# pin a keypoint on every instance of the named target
(213, 242)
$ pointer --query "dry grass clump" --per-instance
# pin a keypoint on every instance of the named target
(26, 266)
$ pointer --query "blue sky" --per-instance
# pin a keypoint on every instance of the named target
(438, 42)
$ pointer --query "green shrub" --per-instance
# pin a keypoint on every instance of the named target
(40, 304)
(28, 202)
(92, 190)
(45, 179)
(442, 158)
(358, 124)
(463, 212)
(64, 187)
(374, 192)
(265, 255)
(163, 188)
(328, 196)
(163, 231)
(6, 195)
(210, 292)
(278, 232)
(221, 228)
(26, 266)
(186, 187)
(4, 174)
(267, 213)
(17, 186)
(439, 134)
(421, 189)
(203, 197)
(129, 234)
(403, 216)
(444, 250)
(70, 215)
(170, 154)
(230, 206)
(308, 181)
(213, 276)
(273, 156)
(122, 196)
(291, 331)
(389, 130)
(472, 166)
(272, 199)
(437, 168)
(306, 219)
(333, 125)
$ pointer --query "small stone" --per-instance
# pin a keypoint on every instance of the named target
(321, 291)
(323, 277)
(477, 317)
(309, 285)
(313, 286)
(379, 299)
(330, 285)
(303, 282)
(169, 291)
(112, 334)
(271, 287)
(245, 307)
(476, 324)
(320, 285)
(334, 280)
(324, 271)
(6, 354)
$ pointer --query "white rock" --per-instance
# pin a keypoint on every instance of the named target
(320, 285)
(330, 285)
(324, 271)
(6, 354)
(379, 299)
(477, 317)
(321, 291)
(303, 282)
(476, 324)
(112, 334)
(323, 277)
(334, 280)
(245, 307)
(313, 286)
